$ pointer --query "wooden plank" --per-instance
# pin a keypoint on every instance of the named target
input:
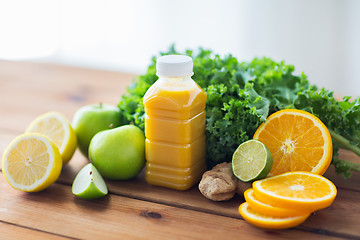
(138, 188)
(342, 217)
(79, 161)
(344, 207)
(29, 89)
(353, 183)
(192, 199)
(13, 232)
(56, 210)
(22, 98)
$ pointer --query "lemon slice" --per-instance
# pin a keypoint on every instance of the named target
(57, 128)
(31, 162)
(265, 221)
(268, 209)
(296, 190)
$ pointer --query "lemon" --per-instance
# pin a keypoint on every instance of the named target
(57, 128)
(31, 162)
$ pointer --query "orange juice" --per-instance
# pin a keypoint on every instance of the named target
(175, 126)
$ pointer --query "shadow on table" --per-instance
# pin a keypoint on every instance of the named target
(96, 205)
(55, 194)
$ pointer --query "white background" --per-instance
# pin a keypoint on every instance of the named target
(319, 37)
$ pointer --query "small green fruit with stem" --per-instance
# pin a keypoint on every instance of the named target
(91, 119)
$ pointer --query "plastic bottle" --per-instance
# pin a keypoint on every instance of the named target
(175, 125)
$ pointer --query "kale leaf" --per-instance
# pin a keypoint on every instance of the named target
(240, 96)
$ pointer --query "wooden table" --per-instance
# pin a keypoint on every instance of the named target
(133, 209)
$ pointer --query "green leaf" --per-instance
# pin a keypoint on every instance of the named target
(240, 96)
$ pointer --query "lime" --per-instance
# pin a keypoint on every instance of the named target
(89, 184)
(252, 160)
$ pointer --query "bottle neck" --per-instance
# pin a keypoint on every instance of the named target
(175, 79)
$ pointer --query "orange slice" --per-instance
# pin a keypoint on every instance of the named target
(296, 190)
(298, 141)
(268, 209)
(31, 162)
(265, 221)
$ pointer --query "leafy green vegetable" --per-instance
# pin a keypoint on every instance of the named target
(240, 96)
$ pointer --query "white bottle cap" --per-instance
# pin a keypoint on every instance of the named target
(174, 66)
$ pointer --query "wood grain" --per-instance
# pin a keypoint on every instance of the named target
(56, 210)
(352, 183)
(29, 89)
(192, 199)
(345, 206)
(10, 231)
(341, 217)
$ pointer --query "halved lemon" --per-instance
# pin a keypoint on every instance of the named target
(296, 190)
(268, 209)
(265, 221)
(31, 162)
(57, 128)
(298, 141)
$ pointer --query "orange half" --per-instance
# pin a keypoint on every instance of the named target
(297, 140)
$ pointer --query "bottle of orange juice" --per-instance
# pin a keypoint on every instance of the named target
(175, 125)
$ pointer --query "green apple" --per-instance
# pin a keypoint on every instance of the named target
(89, 184)
(118, 153)
(91, 119)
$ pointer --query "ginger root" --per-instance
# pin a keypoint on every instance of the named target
(220, 184)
